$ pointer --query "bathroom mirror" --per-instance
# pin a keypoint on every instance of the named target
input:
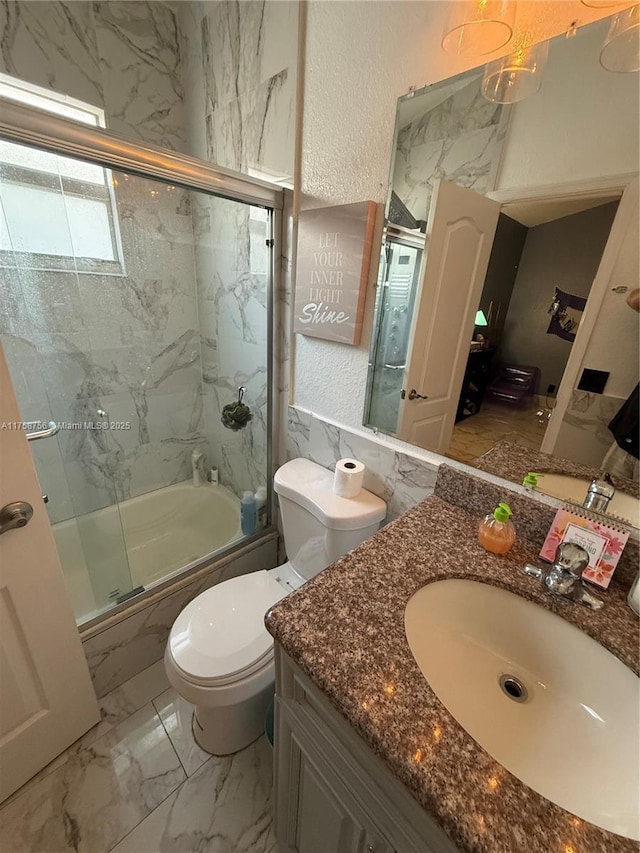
(471, 370)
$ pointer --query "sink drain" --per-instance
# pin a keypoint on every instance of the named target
(513, 688)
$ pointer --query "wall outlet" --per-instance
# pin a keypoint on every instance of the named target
(551, 388)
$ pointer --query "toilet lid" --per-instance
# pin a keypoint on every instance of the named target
(221, 633)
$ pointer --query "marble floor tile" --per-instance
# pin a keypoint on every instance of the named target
(98, 795)
(494, 423)
(225, 807)
(176, 715)
(133, 694)
(115, 707)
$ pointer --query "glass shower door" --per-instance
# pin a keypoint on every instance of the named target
(51, 212)
(134, 312)
(399, 268)
(90, 545)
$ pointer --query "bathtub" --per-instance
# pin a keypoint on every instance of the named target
(142, 541)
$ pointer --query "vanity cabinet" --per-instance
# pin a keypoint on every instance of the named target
(332, 794)
(325, 815)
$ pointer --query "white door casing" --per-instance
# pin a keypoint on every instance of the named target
(47, 699)
(459, 240)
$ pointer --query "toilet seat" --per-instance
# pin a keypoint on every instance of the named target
(220, 638)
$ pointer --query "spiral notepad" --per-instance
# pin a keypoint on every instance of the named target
(604, 543)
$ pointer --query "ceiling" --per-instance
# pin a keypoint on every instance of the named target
(531, 213)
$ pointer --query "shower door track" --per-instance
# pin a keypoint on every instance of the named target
(28, 126)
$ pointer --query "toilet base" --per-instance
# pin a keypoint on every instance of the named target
(229, 728)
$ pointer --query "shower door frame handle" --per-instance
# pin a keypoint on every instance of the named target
(52, 429)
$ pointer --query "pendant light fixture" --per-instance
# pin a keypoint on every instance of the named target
(621, 49)
(516, 76)
(478, 27)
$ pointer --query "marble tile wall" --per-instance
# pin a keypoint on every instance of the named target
(239, 61)
(139, 54)
(232, 274)
(402, 480)
(584, 436)
(460, 140)
(121, 56)
(239, 64)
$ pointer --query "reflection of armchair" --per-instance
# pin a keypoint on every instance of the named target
(474, 383)
(514, 384)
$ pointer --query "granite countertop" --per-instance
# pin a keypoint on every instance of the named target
(514, 462)
(345, 629)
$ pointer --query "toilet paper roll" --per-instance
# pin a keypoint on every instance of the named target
(348, 477)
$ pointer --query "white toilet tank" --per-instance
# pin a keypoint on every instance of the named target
(319, 527)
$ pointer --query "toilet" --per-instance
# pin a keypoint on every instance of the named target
(219, 655)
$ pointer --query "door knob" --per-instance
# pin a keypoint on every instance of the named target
(413, 395)
(15, 515)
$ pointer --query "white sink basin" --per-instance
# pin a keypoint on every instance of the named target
(573, 735)
(574, 489)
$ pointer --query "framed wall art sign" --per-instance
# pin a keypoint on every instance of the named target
(334, 254)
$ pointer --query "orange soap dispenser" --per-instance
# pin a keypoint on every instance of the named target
(496, 532)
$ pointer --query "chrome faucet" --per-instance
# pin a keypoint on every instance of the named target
(564, 576)
(599, 493)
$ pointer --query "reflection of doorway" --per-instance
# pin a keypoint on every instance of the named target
(539, 246)
(398, 279)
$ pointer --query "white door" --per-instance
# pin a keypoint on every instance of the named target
(458, 244)
(47, 700)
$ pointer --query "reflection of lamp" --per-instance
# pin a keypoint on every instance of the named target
(516, 76)
(481, 320)
(478, 26)
(621, 49)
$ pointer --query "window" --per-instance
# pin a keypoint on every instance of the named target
(56, 212)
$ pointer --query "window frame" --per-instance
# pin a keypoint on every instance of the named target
(46, 100)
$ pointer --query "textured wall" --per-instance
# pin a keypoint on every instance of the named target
(359, 58)
(351, 87)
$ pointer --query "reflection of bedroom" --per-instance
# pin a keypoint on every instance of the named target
(544, 259)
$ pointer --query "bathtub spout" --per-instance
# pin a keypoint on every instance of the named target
(197, 466)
